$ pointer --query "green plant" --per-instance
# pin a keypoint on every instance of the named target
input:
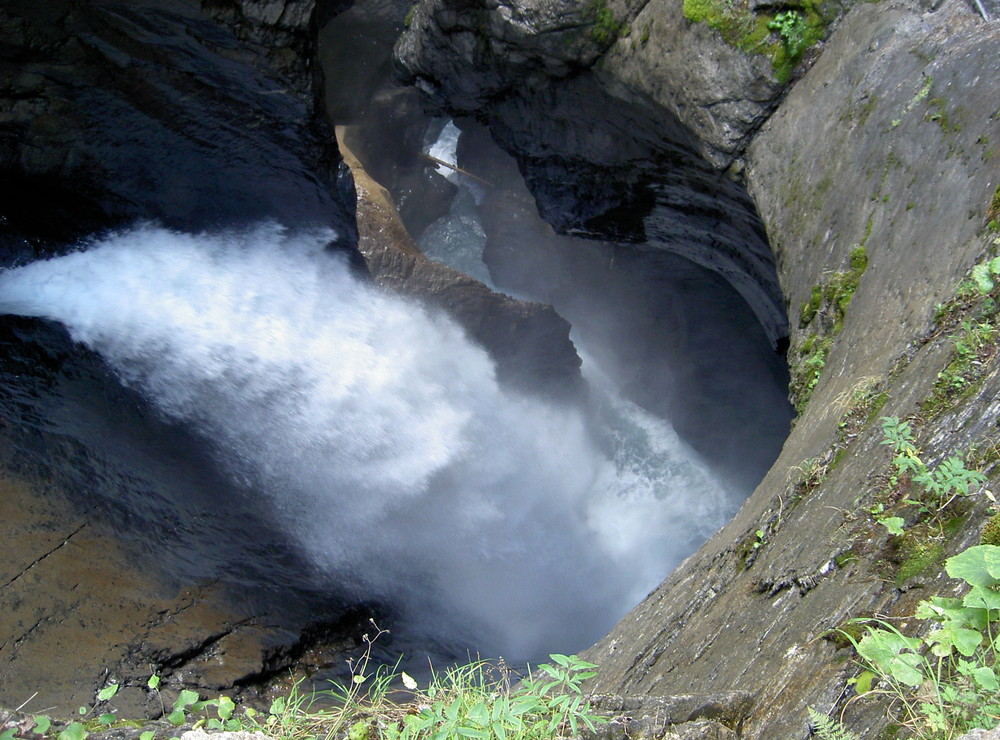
(975, 343)
(737, 25)
(946, 682)
(950, 479)
(605, 28)
(477, 700)
(918, 548)
(824, 311)
(993, 209)
(827, 728)
(792, 28)
(810, 473)
(82, 728)
(983, 274)
(806, 368)
(892, 523)
(466, 702)
(917, 551)
(810, 307)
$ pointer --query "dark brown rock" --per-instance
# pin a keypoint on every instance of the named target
(116, 111)
(77, 615)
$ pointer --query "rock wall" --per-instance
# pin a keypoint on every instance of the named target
(883, 152)
(112, 112)
(116, 111)
(528, 341)
(888, 144)
(601, 155)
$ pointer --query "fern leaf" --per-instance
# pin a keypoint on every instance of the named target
(827, 728)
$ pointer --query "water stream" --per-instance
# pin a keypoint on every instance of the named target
(373, 436)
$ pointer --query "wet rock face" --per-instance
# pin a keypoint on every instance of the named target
(602, 157)
(80, 609)
(106, 577)
(884, 143)
(718, 92)
(464, 55)
(114, 111)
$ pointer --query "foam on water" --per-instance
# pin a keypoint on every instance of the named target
(379, 438)
(444, 148)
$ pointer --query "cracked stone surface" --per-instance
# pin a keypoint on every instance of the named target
(76, 613)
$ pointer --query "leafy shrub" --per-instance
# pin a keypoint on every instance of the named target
(947, 681)
(950, 479)
(792, 28)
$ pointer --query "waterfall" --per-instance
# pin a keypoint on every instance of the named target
(376, 435)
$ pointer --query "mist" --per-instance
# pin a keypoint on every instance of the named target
(375, 435)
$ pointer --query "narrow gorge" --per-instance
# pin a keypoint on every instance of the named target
(487, 321)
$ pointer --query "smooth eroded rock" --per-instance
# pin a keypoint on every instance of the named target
(529, 341)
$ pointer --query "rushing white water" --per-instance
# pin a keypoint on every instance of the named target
(444, 148)
(379, 437)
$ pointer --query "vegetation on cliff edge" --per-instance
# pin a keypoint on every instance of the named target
(783, 37)
(479, 700)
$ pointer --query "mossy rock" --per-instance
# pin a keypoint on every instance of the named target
(991, 531)
(846, 634)
(993, 210)
(916, 554)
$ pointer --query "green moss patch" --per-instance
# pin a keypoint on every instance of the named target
(916, 552)
(823, 313)
(606, 29)
(993, 210)
(783, 37)
(991, 531)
